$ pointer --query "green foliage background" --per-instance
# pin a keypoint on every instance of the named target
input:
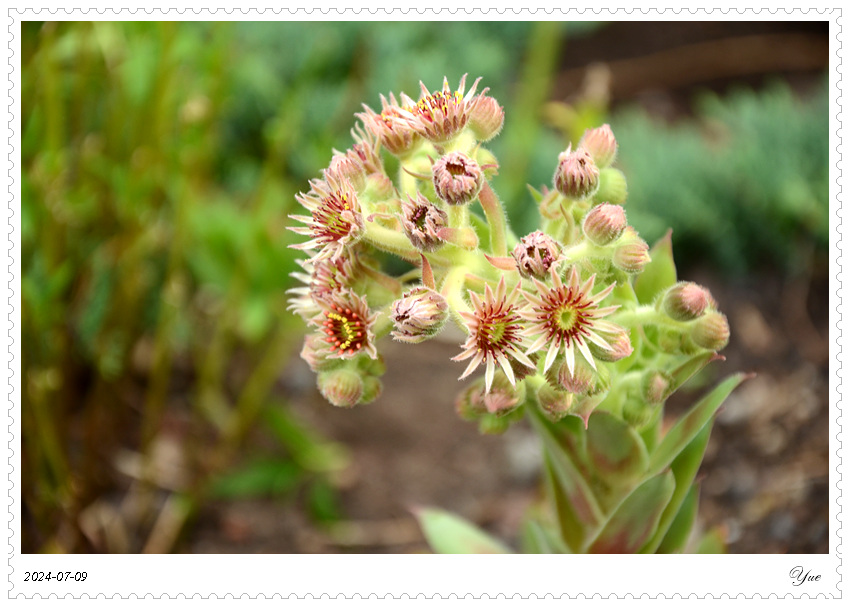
(159, 166)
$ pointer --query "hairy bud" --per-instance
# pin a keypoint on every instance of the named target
(535, 253)
(600, 144)
(486, 118)
(555, 404)
(421, 220)
(582, 380)
(638, 413)
(577, 176)
(457, 178)
(347, 166)
(656, 386)
(686, 301)
(418, 315)
(711, 331)
(632, 253)
(604, 224)
(621, 347)
(341, 387)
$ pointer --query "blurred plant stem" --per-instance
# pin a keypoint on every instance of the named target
(173, 289)
(536, 78)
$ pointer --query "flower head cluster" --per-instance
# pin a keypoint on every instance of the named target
(335, 220)
(555, 318)
(495, 333)
(567, 316)
(441, 115)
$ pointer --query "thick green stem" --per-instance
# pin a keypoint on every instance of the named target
(495, 214)
(453, 292)
(390, 241)
(645, 315)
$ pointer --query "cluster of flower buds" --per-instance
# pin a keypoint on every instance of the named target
(562, 318)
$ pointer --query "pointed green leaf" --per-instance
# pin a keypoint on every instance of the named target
(713, 542)
(687, 370)
(537, 539)
(535, 194)
(659, 273)
(680, 530)
(636, 518)
(689, 425)
(448, 533)
(577, 508)
(614, 449)
(684, 468)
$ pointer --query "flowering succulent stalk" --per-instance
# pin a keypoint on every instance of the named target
(578, 326)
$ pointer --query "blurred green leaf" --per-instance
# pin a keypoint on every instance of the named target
(537, 539)
(679, 531)
(685, 468)
(690, 424)
(322, 500)
(260, 478)
(576, 506)
(636, 519)
(448, 533)
(713, 542)
(615, 449)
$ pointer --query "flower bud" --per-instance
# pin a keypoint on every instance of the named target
(555, 404)
(418, 315)
(612, 187)
(711, 331)
(577, 176)
(457, 178)
(604, 224)
(600, 144)
(390, 126)
(582, 380)
(621, 347)
(422, 220)
(503, 397)
(535, 253)
(314, 353)
(486, 118)
(632, 254)
(469, 403)
(345, 166)
(638, 413)
(656, 386)
(372, 388)
(686, 301)
(341, 387)
(378, 187)
(521, 370)
(476, 403)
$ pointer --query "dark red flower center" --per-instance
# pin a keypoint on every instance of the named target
(329, 223)
(344, 329)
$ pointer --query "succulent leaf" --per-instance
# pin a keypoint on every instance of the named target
(691, 423)
(448, 533)
(684, 468)
(615, 450)
(677, 535)
(636, 518)
(660, 273)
